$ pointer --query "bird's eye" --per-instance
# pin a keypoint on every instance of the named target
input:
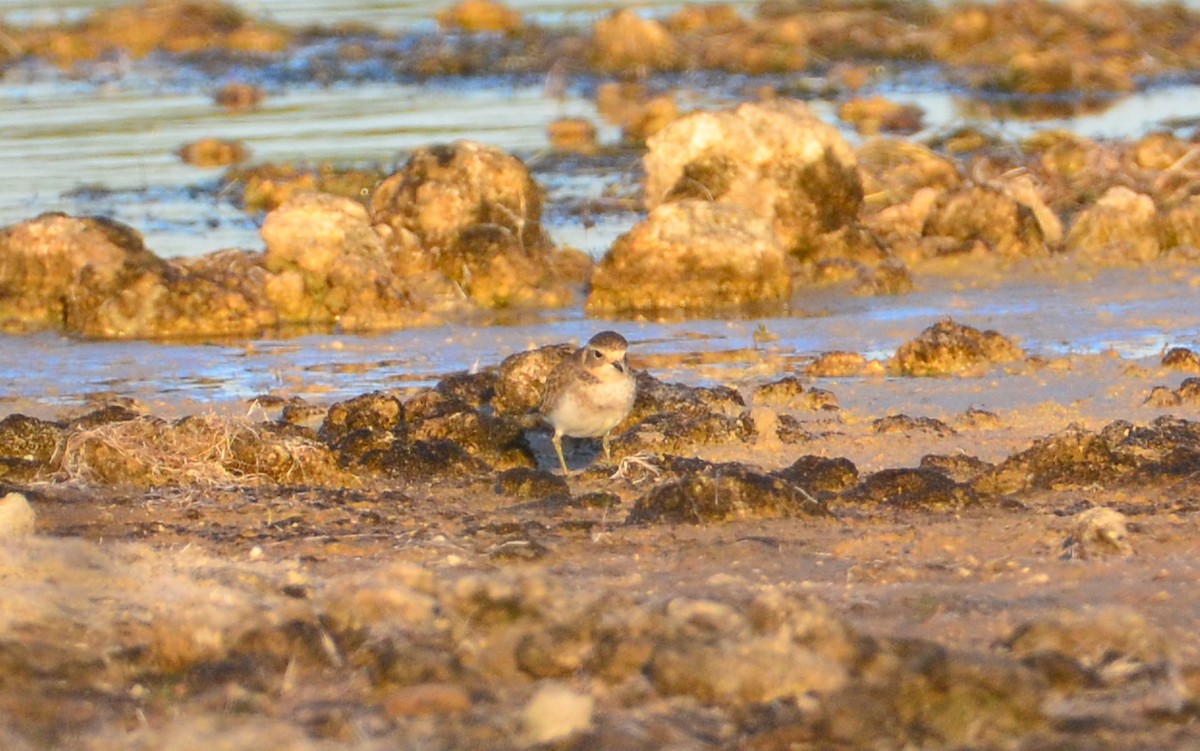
(597, 354)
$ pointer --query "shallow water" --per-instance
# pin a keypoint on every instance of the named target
(107, 145)
(1121, 312)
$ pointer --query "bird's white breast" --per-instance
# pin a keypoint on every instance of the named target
(597, 408)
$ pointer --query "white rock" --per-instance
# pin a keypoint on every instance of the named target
(16, 516)
(556, 712)
(1098, 532)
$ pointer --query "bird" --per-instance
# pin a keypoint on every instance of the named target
(589, 392)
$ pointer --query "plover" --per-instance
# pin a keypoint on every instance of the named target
(589, 392)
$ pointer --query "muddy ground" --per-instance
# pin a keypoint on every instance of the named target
(970, 544)
(964, 561)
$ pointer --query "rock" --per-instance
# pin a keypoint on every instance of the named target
(907, 424)
(474, 16)
(723, 492)
(895, 170)
(949, 348)
(840, 364)
(55, 258)
(984, 219)
(692, 255)
(266, 187)
(1122, 227)
(946, 699)
(820, 475)
(638, 114)
(475, 389)
(1098, 532)
(213, 152)
(682, 433)
(378, 412)
(421, 461)
(1181, 358)
(498, 439)
(328, 264)
(431, 404)
(1159, 151)
(776, 160)
(655, 397)
(554, 713)
(475, 215)
(624, 41)
(874, 114)
(962, 468)
(1116, 643)
(171, 26)
(1163, 398)
(891, 278)
(29, 439)
(1189, 391)
(573, 134)
(239, 97)
(94, 277)
(785, 392)
(527, 482)
(1180, 225)
(783, 647)
(17, 518)
(1070, 458)
(911, 488)
(789, 394)
(974, 418)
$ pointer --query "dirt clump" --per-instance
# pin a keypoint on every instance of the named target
(949, 348)
(722, 492)
(911, 488)
(1118, 453)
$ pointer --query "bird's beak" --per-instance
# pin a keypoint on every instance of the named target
(621, 365)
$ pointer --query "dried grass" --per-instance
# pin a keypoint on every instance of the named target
(206, 450)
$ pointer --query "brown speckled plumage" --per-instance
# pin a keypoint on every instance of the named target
(589, 392)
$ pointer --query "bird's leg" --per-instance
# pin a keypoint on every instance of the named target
(607, 450)
(557, 441)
